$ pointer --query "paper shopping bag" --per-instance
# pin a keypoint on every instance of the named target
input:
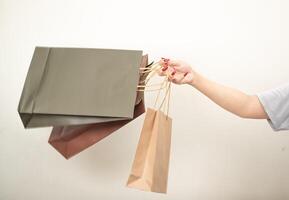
(151, 163)
(70, 140)
(67, 86)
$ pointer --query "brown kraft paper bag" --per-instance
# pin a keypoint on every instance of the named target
(151, 163)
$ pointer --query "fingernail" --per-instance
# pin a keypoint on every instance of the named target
(174, 72)
(164, 68)
(165, 59)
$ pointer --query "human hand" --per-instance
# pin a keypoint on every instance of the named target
(178, 72)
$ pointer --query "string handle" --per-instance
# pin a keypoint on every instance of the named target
(165, 84)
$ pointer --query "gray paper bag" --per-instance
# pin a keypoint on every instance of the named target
(67, 86)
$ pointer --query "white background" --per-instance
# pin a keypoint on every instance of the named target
(215, 155)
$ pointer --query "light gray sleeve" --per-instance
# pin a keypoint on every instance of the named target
(276, 105)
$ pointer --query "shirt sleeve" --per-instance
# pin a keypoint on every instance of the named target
(276, 105)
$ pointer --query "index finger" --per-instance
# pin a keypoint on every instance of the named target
(166, 61)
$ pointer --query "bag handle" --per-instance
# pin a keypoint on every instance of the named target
(151, 72)
(166, 100)
(165, 84)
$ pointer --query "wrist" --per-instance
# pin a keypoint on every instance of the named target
(195, 79)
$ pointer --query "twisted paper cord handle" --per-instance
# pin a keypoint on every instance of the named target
(165, 84)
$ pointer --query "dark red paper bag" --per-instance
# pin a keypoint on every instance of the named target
(70, 140)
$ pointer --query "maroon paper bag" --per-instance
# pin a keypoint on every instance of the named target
(70, 140)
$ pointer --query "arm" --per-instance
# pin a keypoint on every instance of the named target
(232, 100)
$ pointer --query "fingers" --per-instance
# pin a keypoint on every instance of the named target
(188, 78)
(165, 62)
(178, 72)
(164, 71)
(173, 63)
(177, 78)
(172, 69)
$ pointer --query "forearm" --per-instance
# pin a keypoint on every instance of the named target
(232, 100)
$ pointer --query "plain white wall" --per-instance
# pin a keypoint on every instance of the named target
(215, 155)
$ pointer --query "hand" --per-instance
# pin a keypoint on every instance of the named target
(178, 72)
